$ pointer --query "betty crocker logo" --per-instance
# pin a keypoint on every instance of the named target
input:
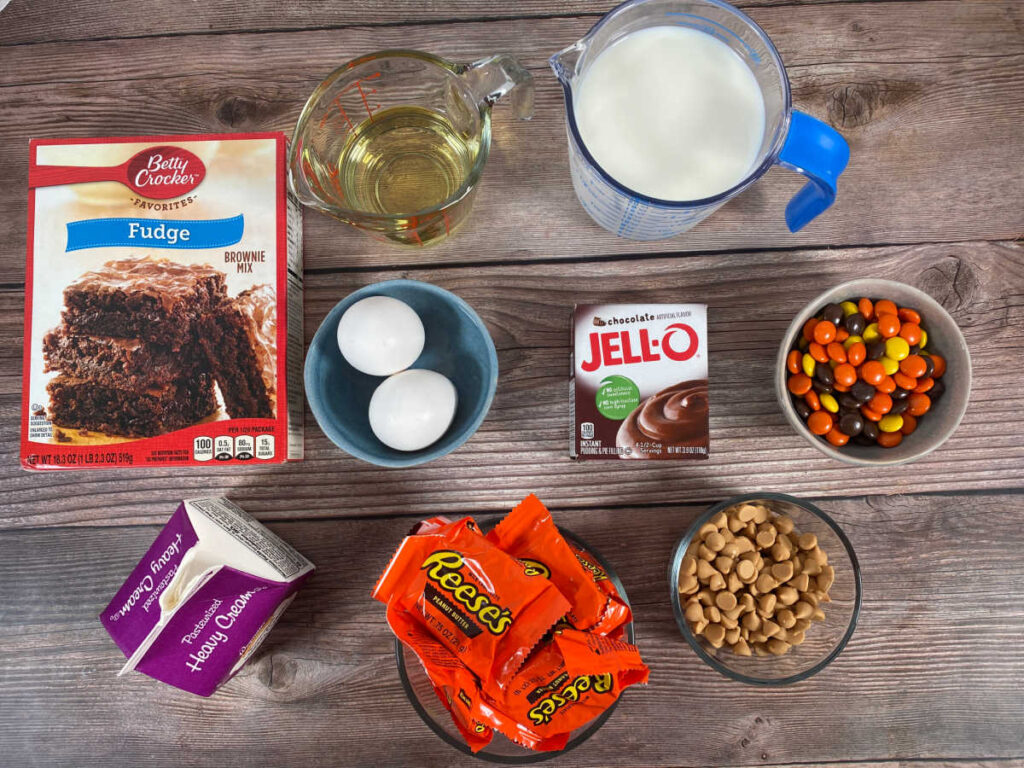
(161, 173)
(622, 347)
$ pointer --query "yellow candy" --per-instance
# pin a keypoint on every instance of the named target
(849, 308)
(924, 338)
(850, 341)
(871, 332)
(891, 422)
(808, 364)
(896, 348)
(830, 404)
(890, 365)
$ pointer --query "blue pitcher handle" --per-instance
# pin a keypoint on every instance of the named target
(817, 151)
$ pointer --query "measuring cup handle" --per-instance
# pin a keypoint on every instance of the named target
(495, 76)
(817, 151)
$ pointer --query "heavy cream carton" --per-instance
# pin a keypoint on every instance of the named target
(163, 303)
(205, 595)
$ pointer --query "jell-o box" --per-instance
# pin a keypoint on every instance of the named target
(204, 596)
(639, 381)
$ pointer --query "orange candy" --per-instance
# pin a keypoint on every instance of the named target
(819, 422)
(914, 366)
(911, 333)
(919, 404)
(793, 361)
(799, 383)
(887, 385)
(885, 307)
(818, 352)
(836, 352)
(890, 439)
(880, 403)
(857, 353)
(909, 424)
(870, 414)
(888, 325)
(842, 334)
(837, 438)
(824, 332)
(866, 308)
(903, 381)
(808, 331)
(845, 374)
(840, 388)
(812, 400)
(925, 384)
(872, 372)
(908, 315)
(940, 366)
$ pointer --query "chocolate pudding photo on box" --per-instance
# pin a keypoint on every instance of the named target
(159, 315)
(639, 381)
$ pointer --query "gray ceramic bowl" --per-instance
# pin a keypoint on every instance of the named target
(457, 345)
(944, 337)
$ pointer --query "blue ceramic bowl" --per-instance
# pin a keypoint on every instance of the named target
(457, 345)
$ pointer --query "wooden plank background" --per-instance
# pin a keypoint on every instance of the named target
(928, 94)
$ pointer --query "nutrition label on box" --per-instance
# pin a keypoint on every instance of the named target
(261, 542)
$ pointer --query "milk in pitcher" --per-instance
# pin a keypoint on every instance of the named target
(672, 113)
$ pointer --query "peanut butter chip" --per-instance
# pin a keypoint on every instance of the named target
(725, 600)
(784, 523)
(732, 636)
(723, 564)
(715, 633)
(716, 582)
(719, 520)
(704, 570)
(746, 513)
(785, 618)
(733, 583)
(777, 647)
(807, 540)
(741, 648)
(689, 565)
(694, 612)
(770, 628)
(765, 582)
(787, 595)
(706, 529)
(745, 570)
(704, 553)
(802, 610)
(688, 583)
(716, 541)
(782, 571)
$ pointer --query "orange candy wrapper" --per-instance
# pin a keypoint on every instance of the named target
(478, 612)
(482, 604)
(571, 680)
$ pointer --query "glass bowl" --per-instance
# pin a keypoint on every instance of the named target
(426, 703)
(824, 640)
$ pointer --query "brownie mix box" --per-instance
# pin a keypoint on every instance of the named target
(639, 381)
(163, 317)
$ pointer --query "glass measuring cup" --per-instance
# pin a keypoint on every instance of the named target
(792, 139)
(394, 142)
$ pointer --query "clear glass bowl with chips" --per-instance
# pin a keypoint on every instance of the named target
(824, 640)
(427, 705)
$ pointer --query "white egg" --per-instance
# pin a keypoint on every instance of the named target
(380, 335)
(412, 409)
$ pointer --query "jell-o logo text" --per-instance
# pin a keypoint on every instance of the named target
(608, 348)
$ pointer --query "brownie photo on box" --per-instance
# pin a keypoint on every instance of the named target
(127, 348)
(240, 340)
(152, 299)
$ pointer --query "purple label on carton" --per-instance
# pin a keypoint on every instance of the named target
(225, 580)
(135, 609)
(201, 644)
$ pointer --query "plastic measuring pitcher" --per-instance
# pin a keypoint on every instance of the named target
(394, 142)
(791, 139)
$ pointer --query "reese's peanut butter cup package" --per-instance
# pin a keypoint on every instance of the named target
(488, 608)
(487, 617)
(571, 680)
(529, 534)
